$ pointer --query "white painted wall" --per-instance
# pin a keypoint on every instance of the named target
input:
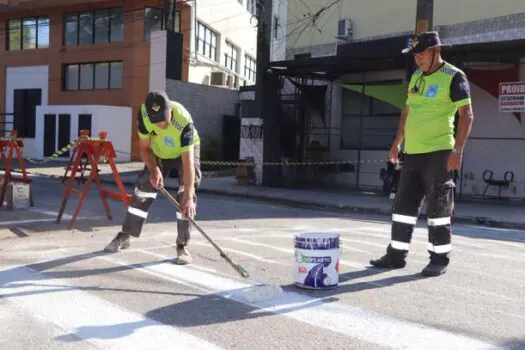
(28, 77)
(115, 120)
(157, 65)
(497, 155)
(230, 19)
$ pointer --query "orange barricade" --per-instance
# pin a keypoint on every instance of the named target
(93, 149)
(13, 146)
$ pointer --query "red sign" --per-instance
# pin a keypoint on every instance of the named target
(512, 97)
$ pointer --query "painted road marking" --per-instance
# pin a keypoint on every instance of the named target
(348, 263)
(350, 321)
(91, 318)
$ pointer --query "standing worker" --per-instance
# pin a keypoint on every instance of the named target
(168, 140)
(436, 91)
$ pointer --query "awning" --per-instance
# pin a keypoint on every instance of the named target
(385, 54)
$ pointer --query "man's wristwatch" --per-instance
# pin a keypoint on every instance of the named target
(457, 150)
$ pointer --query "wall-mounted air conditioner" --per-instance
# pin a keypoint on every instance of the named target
(218, 78)
(345, 29)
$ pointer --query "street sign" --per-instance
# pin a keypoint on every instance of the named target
(512, 97)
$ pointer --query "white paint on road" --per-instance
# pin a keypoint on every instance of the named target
(51, 213)
(350, 321)
(88, 317)
(252, 256)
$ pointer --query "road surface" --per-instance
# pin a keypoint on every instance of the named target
(60, 291)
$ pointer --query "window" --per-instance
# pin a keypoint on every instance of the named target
(94, 27)
(154, 20)
(206, 41)
(251, 6)
(369, 123)
(249, 68)
(231, 54)
(89, 76)
(28, 33)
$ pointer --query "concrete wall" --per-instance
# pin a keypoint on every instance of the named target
(31, 77)
(207, 105)
(115, 120)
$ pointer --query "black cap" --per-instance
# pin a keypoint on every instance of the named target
(157, 106)
(420, 42)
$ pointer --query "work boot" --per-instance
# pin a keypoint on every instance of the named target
(434, 269)
(183, 256)
(121, 241)
(388, 262)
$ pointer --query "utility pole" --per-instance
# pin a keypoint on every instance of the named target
(424, 23)
(266, 91)
(264, 37)
(424, 15)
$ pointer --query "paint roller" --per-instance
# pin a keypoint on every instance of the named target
(262, 291)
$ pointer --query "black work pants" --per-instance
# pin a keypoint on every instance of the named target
(145, 194)
(424, 175)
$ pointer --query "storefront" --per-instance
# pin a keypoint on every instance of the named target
(365, 89)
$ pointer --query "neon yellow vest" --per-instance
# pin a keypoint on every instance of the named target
(168, 143)
(430, 122)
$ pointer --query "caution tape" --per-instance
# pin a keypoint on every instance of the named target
(53, 156)
(287, 163)
(64, 150)
(283, 163)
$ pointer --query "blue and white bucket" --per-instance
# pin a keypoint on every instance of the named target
(317, 260)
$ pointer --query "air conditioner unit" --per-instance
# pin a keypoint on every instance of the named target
(218, 78)
(344, 29)
(230, 81)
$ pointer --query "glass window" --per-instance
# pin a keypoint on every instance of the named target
(249, 68)
(85, 29)
(15, 34)
(71, 29)
(71, 75)
(152, 21)
(89, 76)
(101, 26)
(116, 25)
(176, 22)
(206, 41)
(29, 33)
(115, 81)
(368, 122)
(86, 77)
(101, 75)
(230, 57)
(43, 32)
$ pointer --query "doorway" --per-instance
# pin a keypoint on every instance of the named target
(57, 133)
(24, 110)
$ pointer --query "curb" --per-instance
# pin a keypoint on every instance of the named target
(480, 221)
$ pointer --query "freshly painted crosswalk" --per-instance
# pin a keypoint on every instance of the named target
(83, 316)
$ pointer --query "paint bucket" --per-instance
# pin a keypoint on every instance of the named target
(317, 260)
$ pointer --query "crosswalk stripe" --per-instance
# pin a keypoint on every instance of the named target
(91, 318)
(351, 321)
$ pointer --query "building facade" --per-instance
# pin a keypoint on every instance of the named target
(349, 52)
(83, 65)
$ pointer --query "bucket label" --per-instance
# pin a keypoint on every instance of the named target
(302, 259)
(316, 271)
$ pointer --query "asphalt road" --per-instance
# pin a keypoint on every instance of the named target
(60, 291)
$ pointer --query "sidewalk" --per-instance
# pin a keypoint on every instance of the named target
(488, 213)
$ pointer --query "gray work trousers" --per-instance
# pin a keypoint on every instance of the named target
(145, 194)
